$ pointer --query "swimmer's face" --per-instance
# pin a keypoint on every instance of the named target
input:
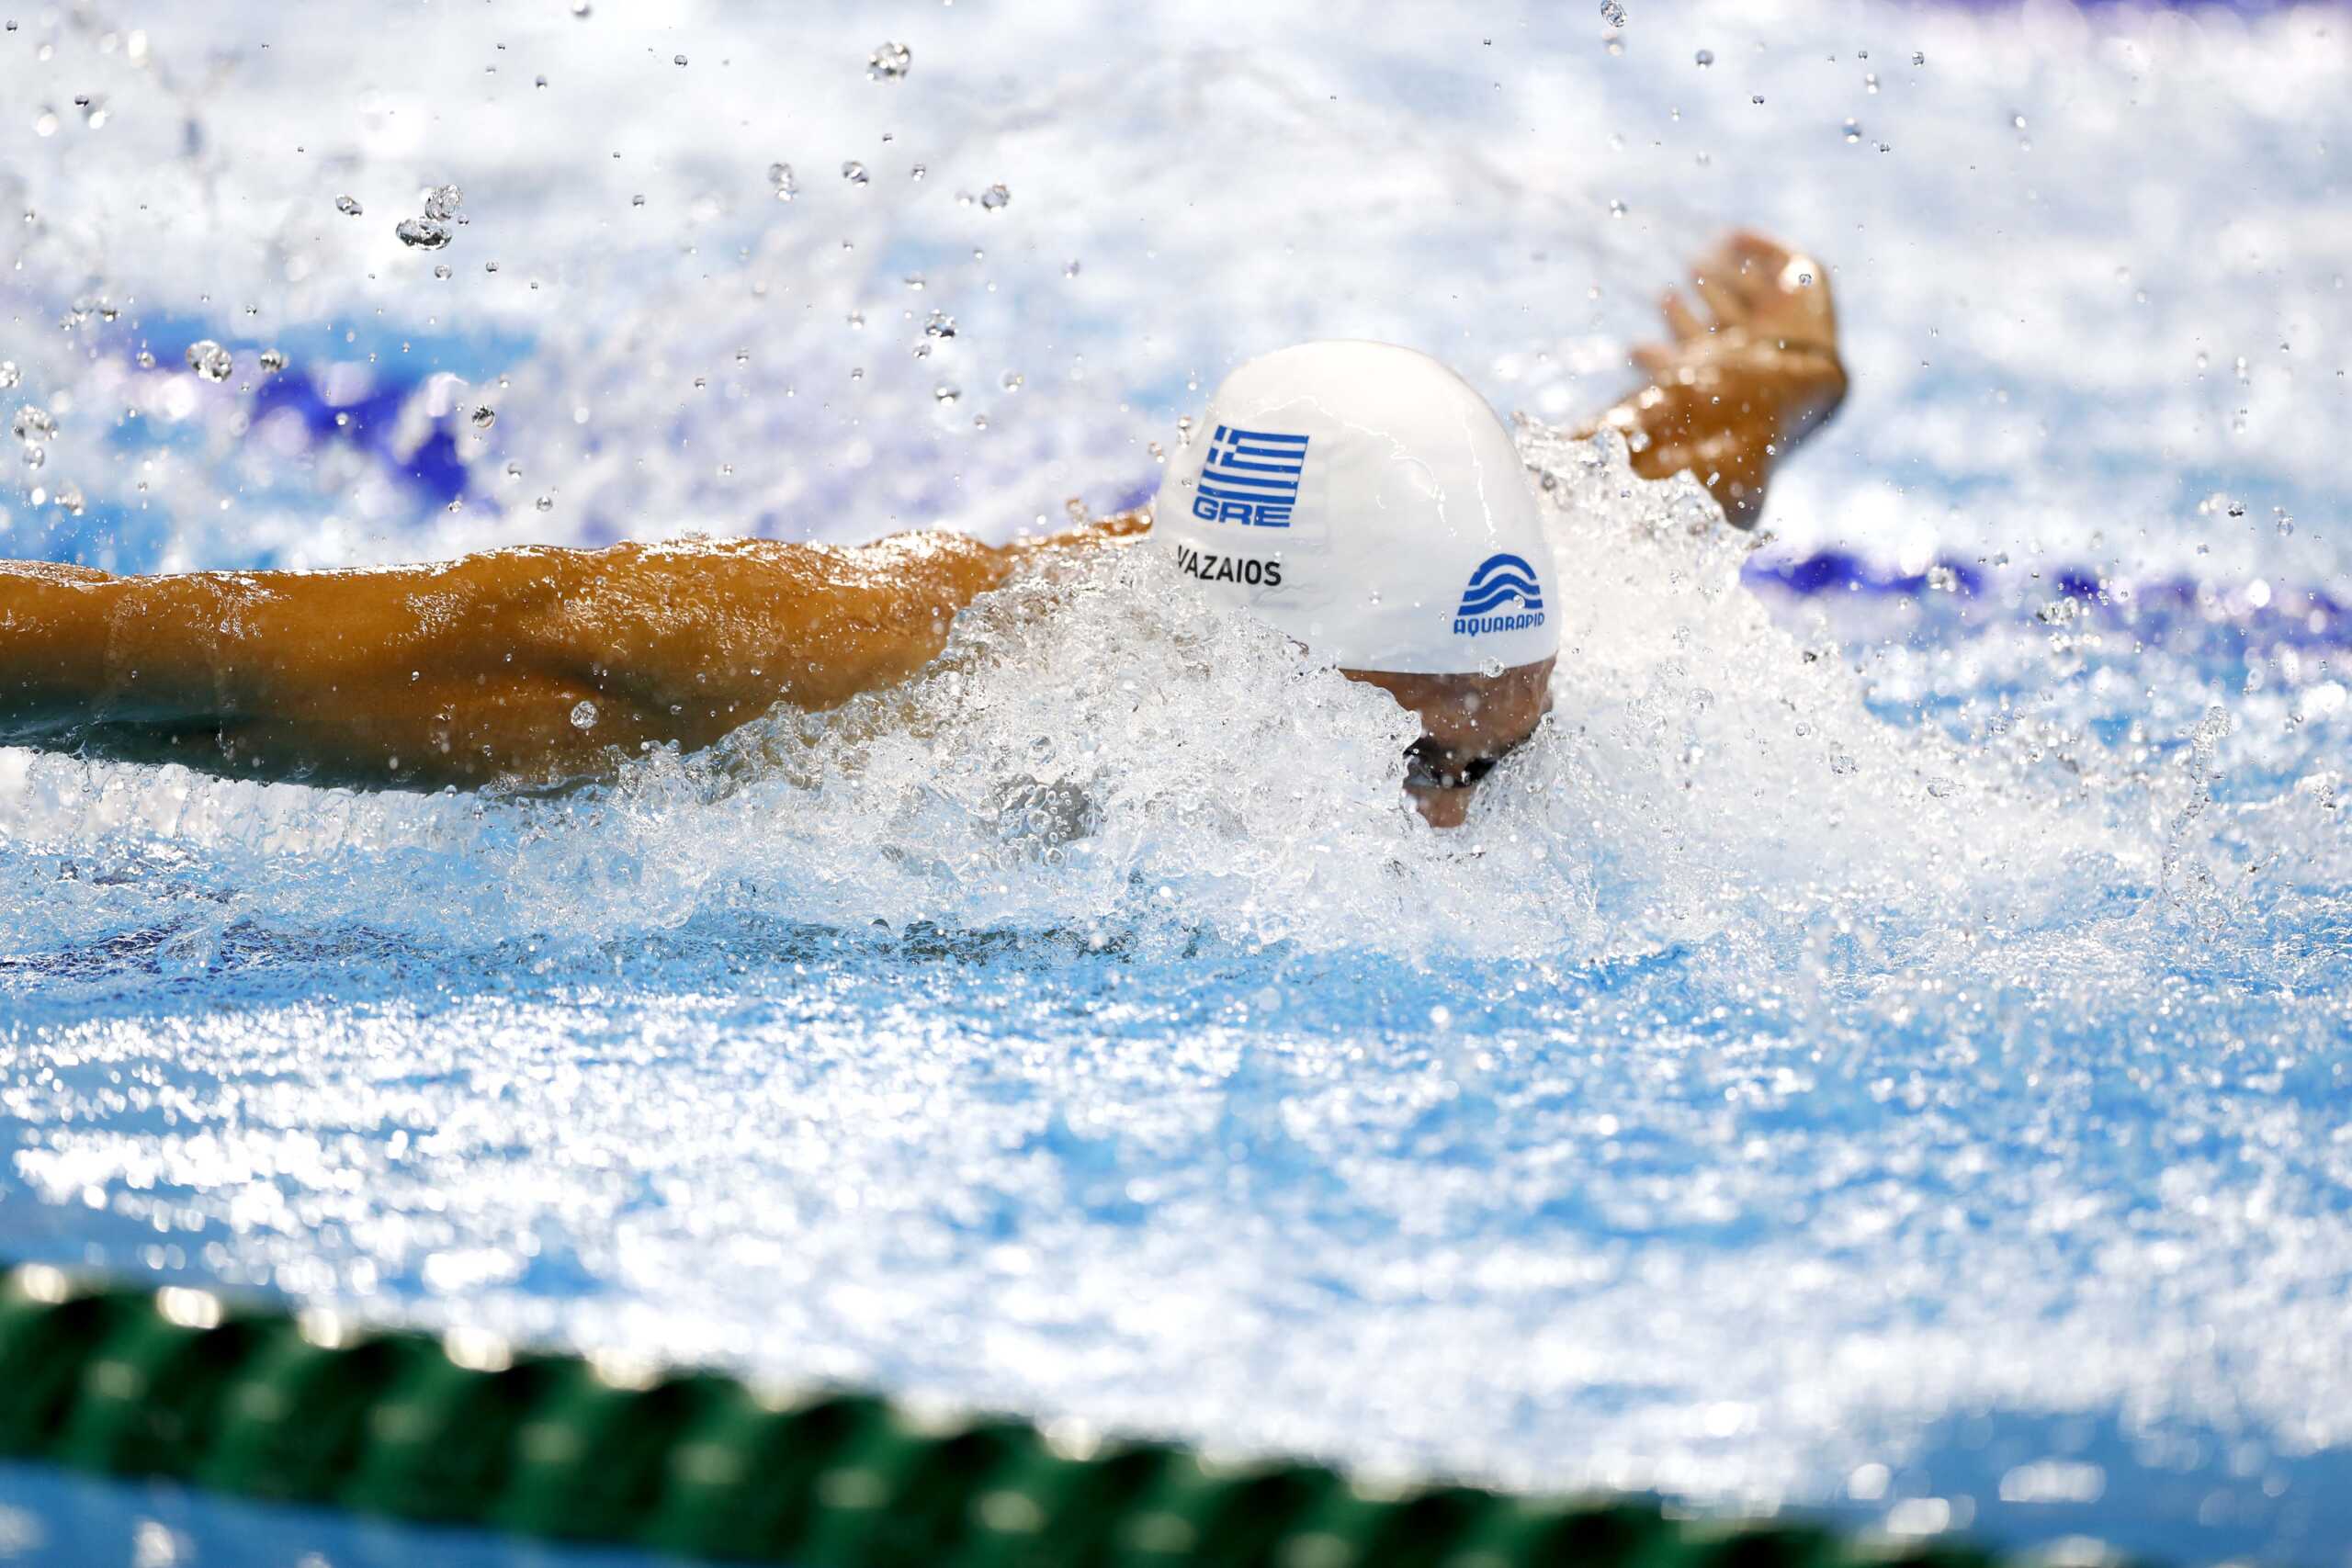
(1467, 722)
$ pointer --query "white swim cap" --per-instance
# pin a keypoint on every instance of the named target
(1364, 498)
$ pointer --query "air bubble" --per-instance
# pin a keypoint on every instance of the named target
(1612, 13)
(348, 206)
(442, 201)
(210, 360)
(1705, 58)
(780, 178)
(545, 503)
(995, 197)
(9, 374)
(421, 233)
(483, 417)
(584, 715)
(890, 62)
(853, 172)
(271, 361)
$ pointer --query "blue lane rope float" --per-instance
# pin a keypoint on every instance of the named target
(2294, 613)
(250, 1398)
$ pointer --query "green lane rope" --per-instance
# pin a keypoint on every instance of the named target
(246, 1397)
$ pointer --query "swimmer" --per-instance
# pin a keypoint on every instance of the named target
(1361, 498)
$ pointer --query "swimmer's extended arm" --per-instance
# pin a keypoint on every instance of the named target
(526, 666)
(1729, 398)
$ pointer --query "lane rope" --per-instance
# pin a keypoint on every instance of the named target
(247, 1397)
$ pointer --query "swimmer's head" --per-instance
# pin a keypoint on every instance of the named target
(1366, 500)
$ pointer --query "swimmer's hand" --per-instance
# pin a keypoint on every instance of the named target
(1740, 386)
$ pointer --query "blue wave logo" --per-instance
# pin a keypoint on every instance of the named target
(1499, 579)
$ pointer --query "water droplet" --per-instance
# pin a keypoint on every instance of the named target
(1918, 57)
(1840, 763)
(545, 503)
(742, 357)
(584, 715)
(210, 360)
(1010, 380)
(1756, 99)
(9, 374)
(442, 201)
(69, 496)
(1870, 81)
(441, 270)
(941, 324)
(581, 8)
(348, 206)
(890, 62)
(995, 197)
(1612, 13)
(780, 176)
(1853, 132)
(1616, 208)
(144, 360)
(45, 123)
(484, 416)
(917, 171)
(272, 361)
(853, 172)
(1069, 269)
(945, 393)
(1705, 58)
(421, 233)
(35, 455)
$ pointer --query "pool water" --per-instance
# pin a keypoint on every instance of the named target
(1883, 1049)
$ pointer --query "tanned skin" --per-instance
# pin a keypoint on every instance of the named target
(540, 667)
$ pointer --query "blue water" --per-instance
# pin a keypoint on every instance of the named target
(1881, 1051)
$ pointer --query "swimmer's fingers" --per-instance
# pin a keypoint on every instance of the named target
(1680, 319)
(1722, 299)
(1655, 360)
(1739, 275)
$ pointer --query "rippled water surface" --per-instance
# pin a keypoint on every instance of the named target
(1882, 1049)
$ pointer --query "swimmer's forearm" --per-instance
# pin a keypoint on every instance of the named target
(1729, 425)
(537, 667)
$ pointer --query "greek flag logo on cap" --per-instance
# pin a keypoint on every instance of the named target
(1250, 477)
